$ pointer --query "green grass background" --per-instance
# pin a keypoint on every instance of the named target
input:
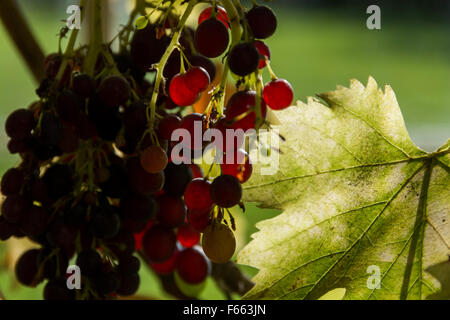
(315, 50)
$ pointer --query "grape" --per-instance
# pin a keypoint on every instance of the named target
(197, 195)
(76, 216)
(278, 94)
(129, 284)
(35, 221)
(168, 125)
(205, 63)
(104, 223)
(63, 236)
(126, 65)
(51, 130)
(159, 243)
(173, 65)
(197, 79)
(135, 120)
(129, 264)
(240, 166)
(226, 191)
(211, 38)
(262, 21)
(199, 220)
(172, 211)
(58, 179)
(138, 207)
(122, 244)
(14, 207)
(192, 266)
(83, 85)
(154, 159)
(146, 49)
(107, 282)
(243, 59)
(219, 243)
(12, 181)
(107, 120)
(177, 179)
(114, 91)
(39, 191)
(264, 53)
(89, 262)
(221, 14)
(18, 146)
(6, 229)
(116, 184)
(241, 102)
(187, 236)
(166, 267)
(69, 140)
(19, 124)
(68, 106)
(56, 289)
(141, 181)
(85, 127)
(180, 92)
(27, 268)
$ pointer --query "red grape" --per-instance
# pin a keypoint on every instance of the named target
(278, 94)
(221, 14)
(197, 195)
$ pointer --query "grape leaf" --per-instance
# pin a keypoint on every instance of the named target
(357, 197)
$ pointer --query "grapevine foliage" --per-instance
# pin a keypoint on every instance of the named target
(355, 192)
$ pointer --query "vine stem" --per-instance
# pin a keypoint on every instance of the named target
(236, 34)
(160, 66)
(96, 39)
(20, 32)
(71, 44)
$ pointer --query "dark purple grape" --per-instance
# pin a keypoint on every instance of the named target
(177, 179)
(51, 130)
(83, 85)
(243, 59)
(18, 146)
(105, 222)
(171, 211)
(117, 183)
(69, 140)
(68, 106)
(262, 21)
(141, 181)
(128, 265)
(211, 38)
(58, 180)
(114, 91)
(34, 222)
(14, 207)
(107, 283)
(6, 229)
(56, 289)
(12, 181)
(89, 262)
(129, 284)
(19, 124)
(226, 191)
(146, 49)
(138, 207)
(27, 268)
(55, 265)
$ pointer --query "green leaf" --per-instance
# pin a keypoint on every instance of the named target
(141, 22)
(355, 193)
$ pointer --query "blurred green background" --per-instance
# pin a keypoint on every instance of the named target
(316, 47)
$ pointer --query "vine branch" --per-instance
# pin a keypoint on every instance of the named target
(20, 32)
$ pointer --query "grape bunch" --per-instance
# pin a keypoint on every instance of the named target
(99, 184)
